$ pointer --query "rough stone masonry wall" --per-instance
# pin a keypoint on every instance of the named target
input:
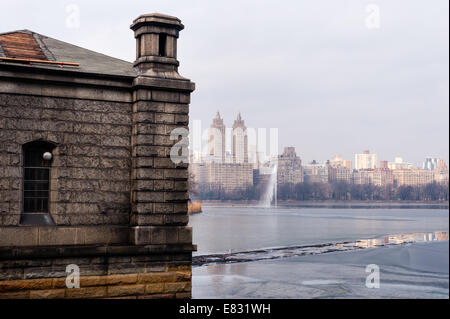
(133, 277)
(90, 181)
(160, 186)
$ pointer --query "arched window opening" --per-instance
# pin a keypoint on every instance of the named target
(37, 161)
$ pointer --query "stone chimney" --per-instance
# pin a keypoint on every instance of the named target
(161, 100)
(156, 44)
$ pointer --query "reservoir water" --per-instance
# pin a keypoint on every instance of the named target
(225, 228)
(315, 251)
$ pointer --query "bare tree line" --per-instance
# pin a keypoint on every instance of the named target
(336, 191)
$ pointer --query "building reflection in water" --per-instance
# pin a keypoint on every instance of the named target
(403, 238)
(224, 269)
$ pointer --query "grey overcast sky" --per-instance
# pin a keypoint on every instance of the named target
(313, 69)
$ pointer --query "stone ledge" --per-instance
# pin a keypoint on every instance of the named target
(62, 235)
(7, 253)
(64, 91)
(17, 73)
(149, 82)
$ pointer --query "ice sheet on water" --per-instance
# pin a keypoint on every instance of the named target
(292, 251)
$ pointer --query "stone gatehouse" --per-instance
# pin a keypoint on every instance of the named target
(86, 177)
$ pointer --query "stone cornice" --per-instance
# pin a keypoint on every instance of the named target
(22, 72)
(148, 82)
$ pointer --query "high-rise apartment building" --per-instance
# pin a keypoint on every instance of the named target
(363, 176)
(398, 163)
(227, 177)
(366, 160)
(315, 172)
(441, 172)
(348, 164)
(216, 140)
(377, 177)
(412, 177)
(289, 168)
(382, 177)
(340, 174)
(430, 163)
(239, 143)
(338, 161)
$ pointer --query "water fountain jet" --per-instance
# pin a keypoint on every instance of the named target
(270, 193)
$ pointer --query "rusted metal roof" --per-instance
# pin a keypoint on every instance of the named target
(34, 50)
(21, 45)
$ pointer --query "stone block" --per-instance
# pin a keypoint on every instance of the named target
(149, 173)
(163, 208)
(23, 236)
(181, 119)
(162, 277)
(148, 106)
(143, 162)
(143, 208)
(185, 235)
(14, 285)
(162, 185)
(126, 290)
(89, 292)
(147, 219)
(144, 117)
(183, 295)
(15, 295)
(185, 98)
(166, 96)
(86, 281)
(176, 108)
(176, 196)
(47, 294)
(60, 236)
(176, 219)
(179, 268)
(147, 150)
(121, 279)
(164, 118)
(181, 186)
(155, 288)
(180, 208)
(183, 276)
(148, 196)
(141, 235)
(174, 287)
(176, 174)
(146, 139)
(164, 162)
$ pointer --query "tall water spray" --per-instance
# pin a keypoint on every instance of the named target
(270, 193)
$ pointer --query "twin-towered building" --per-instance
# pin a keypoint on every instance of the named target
(220, 170)
(217, 135)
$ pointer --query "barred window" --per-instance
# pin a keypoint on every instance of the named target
(36, 182)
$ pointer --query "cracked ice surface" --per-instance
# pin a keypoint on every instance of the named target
(417, 270)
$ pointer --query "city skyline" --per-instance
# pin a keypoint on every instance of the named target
(350, 87)
(219, 126)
